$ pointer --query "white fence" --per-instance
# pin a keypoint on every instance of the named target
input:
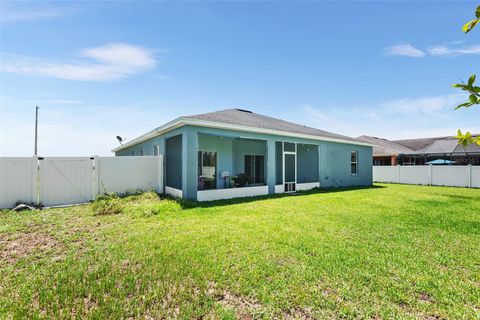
(61, 181)
(455, 176)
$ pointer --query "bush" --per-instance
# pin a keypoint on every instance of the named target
(106, 206)
(106, 196)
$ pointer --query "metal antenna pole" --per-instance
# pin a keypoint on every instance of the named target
(36, 129)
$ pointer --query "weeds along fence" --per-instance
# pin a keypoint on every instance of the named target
(53, 181)
(454, 176)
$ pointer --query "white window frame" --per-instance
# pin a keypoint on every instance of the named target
(156, 150)
(142, 151)
(354, 162)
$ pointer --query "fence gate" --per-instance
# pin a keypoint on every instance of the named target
(66, 180)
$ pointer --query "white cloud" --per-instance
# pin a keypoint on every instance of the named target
(405, 49)
(315, 113)
(393, 119)
(64, 101)
(109, 62)
(424, 104)
(19, 11)
(446, 51)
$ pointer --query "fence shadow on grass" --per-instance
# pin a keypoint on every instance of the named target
(186, 204)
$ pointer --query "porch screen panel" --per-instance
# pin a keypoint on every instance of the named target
(289, 168)
(307, 163)
(207, 170)
(278, 162)
(254, 168)
(174, 162)
(289, 147)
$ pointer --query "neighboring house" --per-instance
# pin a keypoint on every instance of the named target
(385, 152)
(235, 153)
(436, 150)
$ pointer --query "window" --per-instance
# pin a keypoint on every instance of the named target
(142, 152)
(353, 162)
(409, 161)
(133, 152)
(207, 170)
(156, 150)
(254, 169)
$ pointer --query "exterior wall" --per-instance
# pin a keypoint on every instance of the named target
(307, 160)
(333, 157)
(335, 165)
(393, 160)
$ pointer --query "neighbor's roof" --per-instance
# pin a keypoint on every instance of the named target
(244, 120)
(438, 145)
(384, 147)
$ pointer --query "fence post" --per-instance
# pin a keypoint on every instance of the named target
(430, 174)
(398, 173)
(35, 186)
(95, 176)
(160, 173)
(469, 175)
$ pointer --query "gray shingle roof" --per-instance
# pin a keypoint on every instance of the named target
(438, 145)
(422, 146)
(384, 146)
(255, 120)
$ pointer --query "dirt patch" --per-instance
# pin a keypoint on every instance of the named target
(243, 307)
(423, 297)
(299, 314)
(17, 246)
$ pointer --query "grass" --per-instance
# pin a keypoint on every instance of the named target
(393, 251)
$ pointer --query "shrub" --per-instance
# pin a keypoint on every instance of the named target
(107, 206)
(106, 196)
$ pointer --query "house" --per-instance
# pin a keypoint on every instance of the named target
(423, 151)
(385, 152)
(236, 153)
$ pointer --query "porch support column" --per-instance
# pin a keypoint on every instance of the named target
(271, 166)
(189, 163)
(319, 165)
(393, 160)
(162, 151)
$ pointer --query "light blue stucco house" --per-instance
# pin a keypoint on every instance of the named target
(236, 153)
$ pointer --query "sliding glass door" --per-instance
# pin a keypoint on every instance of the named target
(255, 169)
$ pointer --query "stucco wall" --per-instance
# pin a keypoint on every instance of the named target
(307, 163)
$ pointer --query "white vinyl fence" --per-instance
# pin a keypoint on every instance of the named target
(455, 176)
(61, 181)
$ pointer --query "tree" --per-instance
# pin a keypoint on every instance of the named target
(470, 87)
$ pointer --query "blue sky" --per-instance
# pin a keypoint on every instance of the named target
(101, 69)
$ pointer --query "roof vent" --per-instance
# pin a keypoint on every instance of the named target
(243, 110)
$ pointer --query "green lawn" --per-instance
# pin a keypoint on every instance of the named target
(391, 251)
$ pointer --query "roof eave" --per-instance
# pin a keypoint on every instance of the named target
(183, 121)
